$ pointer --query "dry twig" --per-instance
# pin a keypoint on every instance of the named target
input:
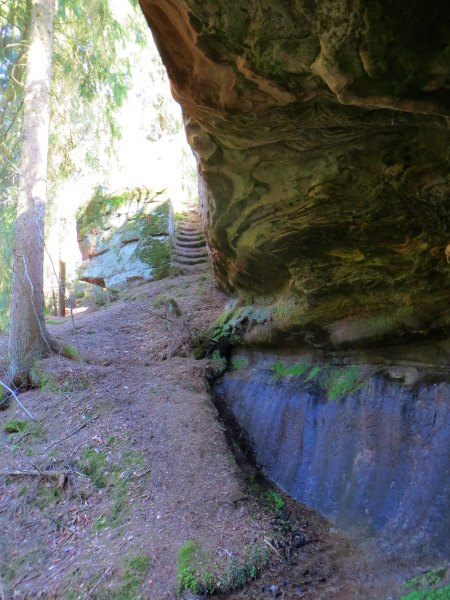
(76, 430)
(30, 473)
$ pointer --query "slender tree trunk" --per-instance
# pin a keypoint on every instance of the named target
(62, 289)
(28, 337)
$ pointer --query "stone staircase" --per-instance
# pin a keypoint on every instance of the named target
(189, 245)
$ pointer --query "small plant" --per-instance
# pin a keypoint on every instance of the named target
(218, 362)
(274, 501)
(94, 466)
(119, 499)
(46, 496)
(186, 562)
(281, 370)
(99, 523)
(192, 574)
(341, 382)
(15, 426)
(421, 584)
(240, 572)
(239, 362)
(314, 371)
(47, 381)
(70, 352)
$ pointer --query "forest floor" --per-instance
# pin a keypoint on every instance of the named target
(125, 485)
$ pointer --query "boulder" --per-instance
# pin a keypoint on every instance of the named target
(125, 237)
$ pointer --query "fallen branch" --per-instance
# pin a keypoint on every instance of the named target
(35, 473)
(139, 475)
(76, 430)
(14, 395)
(272, 547)
(105, 574)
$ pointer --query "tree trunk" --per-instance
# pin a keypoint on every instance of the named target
(28, 337)
(62, 289)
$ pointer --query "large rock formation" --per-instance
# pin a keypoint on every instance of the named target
(321, 131)
(125, 237)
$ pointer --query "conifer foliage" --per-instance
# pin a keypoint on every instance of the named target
(49, 126)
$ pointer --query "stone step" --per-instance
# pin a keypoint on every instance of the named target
(189, 268)
(190, 260)
(189, 250)
(200, 243)
(190, 219)
(190, 257)
(197, 237)
(189, 230)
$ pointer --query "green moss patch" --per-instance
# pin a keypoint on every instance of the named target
(281, 370)
(15, 426)
(91, 214)
(193, 573)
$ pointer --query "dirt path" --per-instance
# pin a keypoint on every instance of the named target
(149, 471)
(149, 496)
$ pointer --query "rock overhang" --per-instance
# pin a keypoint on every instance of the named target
(321, 135)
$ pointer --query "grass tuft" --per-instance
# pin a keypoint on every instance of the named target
(15, 426)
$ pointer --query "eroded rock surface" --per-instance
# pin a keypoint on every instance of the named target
(321, 132)
(367, 446)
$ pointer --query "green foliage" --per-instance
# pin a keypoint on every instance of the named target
(119, 499)
(240, 572)
(91, 79)
(442, 593)
(342, 381)
(46, 496)
(421, 584)
(192, 573)
(134, 570)
(48, 381)
(274, 501)
(113, 476)
(218, 362)
(94, 466)
(313, 372)
(281, 370)
(239, 362)
(186, 563)
(70, 352)
(15, 426)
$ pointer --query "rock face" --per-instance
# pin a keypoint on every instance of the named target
(369, 452)
(321, 132)
(125, 237)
